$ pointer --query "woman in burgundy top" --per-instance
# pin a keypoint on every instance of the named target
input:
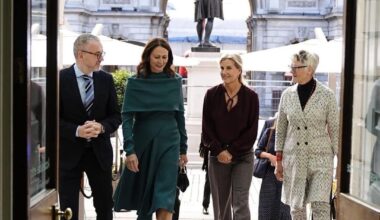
(229, 128)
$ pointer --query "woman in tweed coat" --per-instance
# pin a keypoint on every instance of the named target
(306, 140)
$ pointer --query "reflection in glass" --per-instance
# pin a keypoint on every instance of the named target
(373, 126)
(38, 161)
(364, 166)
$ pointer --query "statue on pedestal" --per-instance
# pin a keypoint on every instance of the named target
(207, 10)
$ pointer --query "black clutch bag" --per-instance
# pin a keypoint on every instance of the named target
(182, 179)
(260, 167)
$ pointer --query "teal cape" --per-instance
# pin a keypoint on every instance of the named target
(153, 108)
(145, 95)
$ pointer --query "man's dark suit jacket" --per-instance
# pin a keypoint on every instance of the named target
(73, 114)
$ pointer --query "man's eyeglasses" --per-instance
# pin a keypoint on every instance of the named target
(99, 55)
(294, 68)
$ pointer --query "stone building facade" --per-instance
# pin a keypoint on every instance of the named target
(135, 20)
(272, 23)
(269, 24)
(275, 23)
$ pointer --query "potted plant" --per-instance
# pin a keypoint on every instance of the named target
(120, 79)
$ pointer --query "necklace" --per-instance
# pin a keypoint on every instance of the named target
(231, 98)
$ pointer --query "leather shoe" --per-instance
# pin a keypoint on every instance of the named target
(205, 211)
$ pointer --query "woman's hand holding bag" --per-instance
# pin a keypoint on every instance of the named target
(182, 179)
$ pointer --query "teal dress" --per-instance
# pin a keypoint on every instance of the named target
(153, 129)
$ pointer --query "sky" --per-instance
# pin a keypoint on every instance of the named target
(233, 9)
(182, 23)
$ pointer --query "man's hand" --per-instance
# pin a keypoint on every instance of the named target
(90, 129)
(132, 163)
(224, 157)
(97, 127)
(87, 131)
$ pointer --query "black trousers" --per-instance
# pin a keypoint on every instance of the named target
(100, 181)
(206, 192)
(177, 205)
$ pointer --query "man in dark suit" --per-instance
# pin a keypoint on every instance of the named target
(88, 115)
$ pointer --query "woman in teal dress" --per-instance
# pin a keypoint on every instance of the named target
(155, 139)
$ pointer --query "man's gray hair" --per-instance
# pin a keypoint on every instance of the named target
(82, 40)
(307, 58)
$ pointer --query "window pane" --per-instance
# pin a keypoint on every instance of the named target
(38, 161)
(365, 156)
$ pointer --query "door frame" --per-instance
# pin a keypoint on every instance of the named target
(5, 109)
(21, 136)
(20, 123)
(349, 207)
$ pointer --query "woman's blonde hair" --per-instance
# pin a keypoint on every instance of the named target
(236, 58)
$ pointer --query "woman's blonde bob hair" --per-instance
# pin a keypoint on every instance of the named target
(236, 58)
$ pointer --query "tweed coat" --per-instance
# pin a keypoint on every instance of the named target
(309, 141)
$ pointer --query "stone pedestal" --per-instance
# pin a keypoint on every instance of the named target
(199, 79)
(205, 49)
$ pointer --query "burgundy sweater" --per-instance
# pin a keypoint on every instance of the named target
(234, 130)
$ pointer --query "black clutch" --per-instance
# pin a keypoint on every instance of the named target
(182, 179)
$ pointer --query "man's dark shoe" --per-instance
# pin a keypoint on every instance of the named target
(205, 211)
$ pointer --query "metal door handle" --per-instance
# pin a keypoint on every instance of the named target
(68, 214)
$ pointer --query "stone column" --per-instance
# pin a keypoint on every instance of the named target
(199, 79)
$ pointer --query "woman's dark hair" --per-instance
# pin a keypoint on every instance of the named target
(143, 69)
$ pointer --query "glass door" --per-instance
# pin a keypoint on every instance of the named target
(35, 112)
(360, 150)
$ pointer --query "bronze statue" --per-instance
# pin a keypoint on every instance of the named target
(207, 9)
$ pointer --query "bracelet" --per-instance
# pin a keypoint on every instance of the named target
(278, 157)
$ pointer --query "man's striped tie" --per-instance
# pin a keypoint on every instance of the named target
(89, 98)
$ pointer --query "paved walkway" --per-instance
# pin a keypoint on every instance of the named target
(191, 200)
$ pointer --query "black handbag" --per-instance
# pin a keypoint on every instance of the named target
(261, 165)
(182, 179)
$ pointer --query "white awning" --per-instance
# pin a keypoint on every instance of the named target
(117, 52)
(278, 59)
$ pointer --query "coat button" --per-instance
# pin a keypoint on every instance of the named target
(306, 143)
(298, 128)
(298, 143)
(305, 127)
